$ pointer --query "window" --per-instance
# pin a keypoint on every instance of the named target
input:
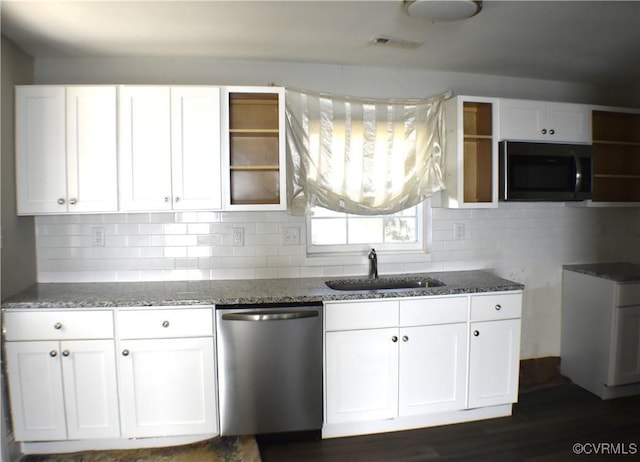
(329, 231)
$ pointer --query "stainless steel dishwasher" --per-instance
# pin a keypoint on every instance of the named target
(269, 368)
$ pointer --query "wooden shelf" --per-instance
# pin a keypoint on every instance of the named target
(616, 143)
(478, 137)
(616, 175)
(254, 131)
(254, 168)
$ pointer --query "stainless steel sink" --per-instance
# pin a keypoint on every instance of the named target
(384, 283)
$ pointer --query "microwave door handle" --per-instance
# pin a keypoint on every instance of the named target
(578, 182)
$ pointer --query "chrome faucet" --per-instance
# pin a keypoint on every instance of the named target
(373, 264)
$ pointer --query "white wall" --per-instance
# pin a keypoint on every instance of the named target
(525, 243)
(18, 262)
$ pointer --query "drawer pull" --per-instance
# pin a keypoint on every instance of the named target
(53, 353)
(66, 353)
(394, 339)
(125, 352)
(165, 323)
(476, 333)
(498, 307)
(405, 338)
(57, 326)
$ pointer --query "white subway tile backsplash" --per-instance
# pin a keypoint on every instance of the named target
(198, 245)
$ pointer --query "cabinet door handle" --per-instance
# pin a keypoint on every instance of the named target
(552, 132)
(498, 307)
(73, 201)
(178, 199)
(66, 353)
(405, 338)
(167, 199)
(61, 201)
(476, 333)
(544, 131)
(165, 323)
(125, 352)
(53, 353)
(57, 326)
(394, 339)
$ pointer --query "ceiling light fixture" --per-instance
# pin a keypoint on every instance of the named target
(442, 11)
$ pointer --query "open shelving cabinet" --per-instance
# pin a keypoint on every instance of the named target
(472, 166)
(616, 156)
(256, 150)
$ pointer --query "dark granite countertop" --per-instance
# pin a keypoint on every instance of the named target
(618, 272)
(227, 292)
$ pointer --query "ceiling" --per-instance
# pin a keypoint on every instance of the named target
(593, 42)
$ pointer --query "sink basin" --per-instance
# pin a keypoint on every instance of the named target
(384, 283)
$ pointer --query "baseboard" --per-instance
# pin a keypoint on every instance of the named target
(539, 373)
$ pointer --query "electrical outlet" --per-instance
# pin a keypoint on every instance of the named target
(97, 236)
(238, 237)
(291, 235)
(458, 231)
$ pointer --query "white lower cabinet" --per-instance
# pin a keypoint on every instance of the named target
(61, 389)
(166, 366)
(361, 375)
(493, 362)
(416, 362)
(110, 375)
(433, 368)
(166, 387)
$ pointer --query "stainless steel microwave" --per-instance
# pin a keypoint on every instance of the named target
(545, 171)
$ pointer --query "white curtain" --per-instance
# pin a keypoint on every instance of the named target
(366, 157)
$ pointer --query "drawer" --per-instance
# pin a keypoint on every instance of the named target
(627, 294)
(496, 306)
(369, 314)
(434, 310)
(165, 323)
(58, 325)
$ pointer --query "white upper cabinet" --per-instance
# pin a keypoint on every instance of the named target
(254, 159)
(526, 120)
(195, 148)
(92, 184)
(471, 173)
(145, 148)
(169, 148)
(65, 149)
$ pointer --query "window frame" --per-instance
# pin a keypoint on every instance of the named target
(421, 246)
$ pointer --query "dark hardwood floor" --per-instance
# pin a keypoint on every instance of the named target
(546, 425)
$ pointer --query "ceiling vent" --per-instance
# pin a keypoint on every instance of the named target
(395, 42)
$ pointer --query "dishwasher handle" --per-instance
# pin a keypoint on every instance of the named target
(269, 315)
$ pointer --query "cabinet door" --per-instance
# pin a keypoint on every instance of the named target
(167, 387)
(522, 120)
(144, 149)
(433, 365)
(195, 129)
(624, 364)
(90, 389)
(35, 389)
(92, 182)
(570, 123)
(40, 150)
(494, 354)
(361, 375)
